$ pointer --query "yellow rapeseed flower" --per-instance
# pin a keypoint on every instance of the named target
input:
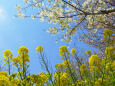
(83, 69)
(94, 60)
(107, 33)
(108, 66)
(39, 49)
(88, 52)
(43, 76)
(60, 66)
(63, 51)
(23, 50)
(98, 82)
(4, 79)
(66, 62)
(110, 51)
(16, 61)
(7, 53)
(23, 55)
(73, 50)
(113, 65)
(4, 73)
(15, 82)
(94, 69)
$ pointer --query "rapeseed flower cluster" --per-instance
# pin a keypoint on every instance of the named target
(98, 70)
(16, 61)
(94, 60)
(63, 51)
(23, 54)
(107, 33)
(39, 49)
(88, 52)
(110, 51)
(73, 51)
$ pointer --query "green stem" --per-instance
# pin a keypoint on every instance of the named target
(94, 77)
(19, 73)
(59, 78)
(46, 66)
(23, 68)
(9, 65)
(72, 75)
(105, 59)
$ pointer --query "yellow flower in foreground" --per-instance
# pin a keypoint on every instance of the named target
(44, 77)
(60, 66)
(83, 69)
(15, 82)
(4, 73)
(94, 60)
(64, 78)
(73, 50)
(98, 82)
(110, 51)
(113, 65)
(7, 57)
(23, 50)
(4, 79)
(16, 61)
(94, 69)
(63, 51)
(108, 66)
(88, 52)
(107, 33)
(66, 62)
(23, 54)
(39, 49)
(7, 53)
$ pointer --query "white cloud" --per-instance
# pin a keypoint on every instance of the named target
(2, 15)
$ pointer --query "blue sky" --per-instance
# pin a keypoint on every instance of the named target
(16, 32)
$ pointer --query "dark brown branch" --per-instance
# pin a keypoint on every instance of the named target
(88, 13)
(111, 2)
(73, 6)
(77, 25)
(102, 12)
